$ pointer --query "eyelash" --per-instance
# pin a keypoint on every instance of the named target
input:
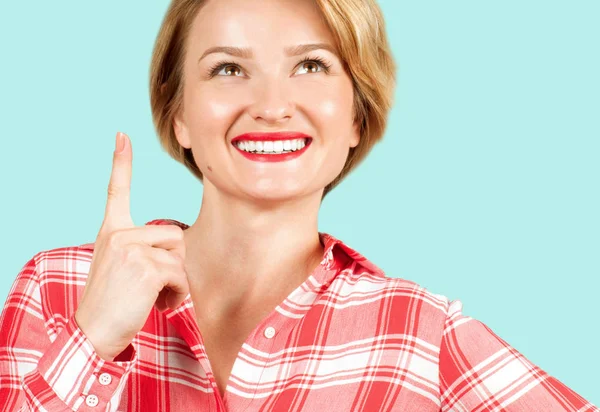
(216, 68)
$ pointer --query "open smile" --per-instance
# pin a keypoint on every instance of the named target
(272, 147)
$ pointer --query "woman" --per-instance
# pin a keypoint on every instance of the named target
(250, 307)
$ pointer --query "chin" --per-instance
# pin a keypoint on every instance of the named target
(276, 192)
(274, 195)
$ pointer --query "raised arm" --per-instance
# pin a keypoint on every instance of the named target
(47, 365)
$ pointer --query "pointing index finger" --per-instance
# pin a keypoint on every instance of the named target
(118, 214)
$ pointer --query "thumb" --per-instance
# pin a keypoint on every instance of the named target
(118, 214)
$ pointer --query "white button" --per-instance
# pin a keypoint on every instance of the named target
(105, 379)
(91, 400)
(269, 332)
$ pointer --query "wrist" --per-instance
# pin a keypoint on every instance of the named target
(100, 341)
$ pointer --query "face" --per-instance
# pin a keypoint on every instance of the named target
(269, 91)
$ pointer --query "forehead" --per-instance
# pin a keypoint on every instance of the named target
(256, 23)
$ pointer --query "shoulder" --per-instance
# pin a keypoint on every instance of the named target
(400, 295)
(398, 306)
(361, 277)
(390, 306)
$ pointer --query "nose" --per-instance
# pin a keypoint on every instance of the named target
(272, 103)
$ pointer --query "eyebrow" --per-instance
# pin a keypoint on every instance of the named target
(246, 53)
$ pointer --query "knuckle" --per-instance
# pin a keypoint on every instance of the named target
(176, 231)
(103, 232)
(150, 275)
(179, 262)
(113, 239)
(112, 191)
(133, 251)
(173, 259)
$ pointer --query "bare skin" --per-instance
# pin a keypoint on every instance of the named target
(225, 327)
(256, 236)
(132, 270)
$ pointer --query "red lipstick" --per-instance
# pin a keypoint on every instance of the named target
(270, 136)
(269, 157)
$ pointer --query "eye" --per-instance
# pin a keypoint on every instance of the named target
(320, 62)
(231, 66)
(214, 70)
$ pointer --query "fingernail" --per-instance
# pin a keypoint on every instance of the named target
(120, 144)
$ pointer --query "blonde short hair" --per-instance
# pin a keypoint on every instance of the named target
(359, 31)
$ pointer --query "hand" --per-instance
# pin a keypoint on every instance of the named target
(132, 269)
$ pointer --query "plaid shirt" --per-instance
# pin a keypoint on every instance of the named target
(348, 339)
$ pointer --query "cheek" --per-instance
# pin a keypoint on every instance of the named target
(332, 110)
(209, 111)
(333, 121)
(329, 105)
(209, 116)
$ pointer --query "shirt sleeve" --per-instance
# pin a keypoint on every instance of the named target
(481, 372)
(65, 373)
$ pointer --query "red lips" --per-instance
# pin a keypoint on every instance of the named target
(256, 136)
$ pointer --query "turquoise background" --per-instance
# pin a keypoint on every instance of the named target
(485, 188)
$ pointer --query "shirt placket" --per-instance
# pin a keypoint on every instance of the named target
(183, 320)
(265, 338)
(271, 337)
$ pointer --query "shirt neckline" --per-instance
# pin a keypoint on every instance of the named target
(329, 243)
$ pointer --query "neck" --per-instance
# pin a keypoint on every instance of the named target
(239, 255)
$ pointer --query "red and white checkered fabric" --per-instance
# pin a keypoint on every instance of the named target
(348, 339)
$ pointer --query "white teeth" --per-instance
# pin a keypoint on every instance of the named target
(275, 147)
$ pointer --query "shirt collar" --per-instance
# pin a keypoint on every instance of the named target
(331, 260)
